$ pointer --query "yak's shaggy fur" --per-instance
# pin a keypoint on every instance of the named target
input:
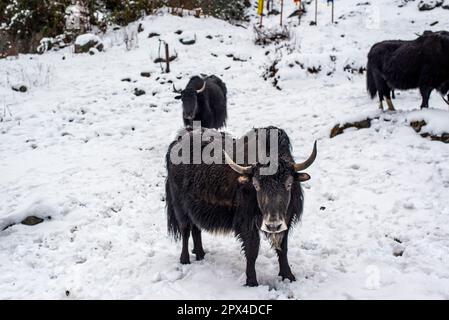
(216, 198)
(421, 63)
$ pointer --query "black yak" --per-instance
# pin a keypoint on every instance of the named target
(227, 197)
(421, 63)
(204, 100)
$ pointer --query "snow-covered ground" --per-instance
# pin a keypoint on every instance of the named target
(81, 148)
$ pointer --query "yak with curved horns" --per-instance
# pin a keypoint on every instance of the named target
(204, 100)
(421, 63)
(234, 198)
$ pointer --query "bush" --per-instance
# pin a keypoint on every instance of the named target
(28, 21)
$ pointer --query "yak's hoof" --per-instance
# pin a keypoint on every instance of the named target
(251, 283)
(287, 275)
(200, 256)
(185, 260)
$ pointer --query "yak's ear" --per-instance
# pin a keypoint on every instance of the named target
(302, 176)
(178, 97)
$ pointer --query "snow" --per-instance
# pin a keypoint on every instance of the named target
(437, 120)
(80, 147)
(84, 39)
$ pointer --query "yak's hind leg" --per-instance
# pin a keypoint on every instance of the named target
(384, 91)
(425, 93)
(197, 243)
(185, 233)
(284, 269)
(390, 104)
(251, 243)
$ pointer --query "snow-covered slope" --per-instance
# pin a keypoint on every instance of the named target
(81, 148)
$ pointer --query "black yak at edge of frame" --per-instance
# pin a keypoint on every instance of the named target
(421, 63)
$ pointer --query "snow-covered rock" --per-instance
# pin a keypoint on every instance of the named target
(437, 121)
(85, 42)
(425, 5)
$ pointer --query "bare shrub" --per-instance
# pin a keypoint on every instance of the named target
(266, 36)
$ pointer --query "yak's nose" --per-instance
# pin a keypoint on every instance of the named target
(273, 227)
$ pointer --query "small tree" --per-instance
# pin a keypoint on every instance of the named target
(77, 18)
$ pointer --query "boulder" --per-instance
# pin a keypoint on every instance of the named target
(32, 220)
(85, 42)
(340, 128)
(426, 5)
(139, 92)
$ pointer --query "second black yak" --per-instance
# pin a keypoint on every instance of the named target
(421, 63)
(204, 100)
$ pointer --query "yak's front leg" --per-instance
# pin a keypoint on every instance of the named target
(284, 269)
(425, 93)
(185, 233)
(197, 243)
(251, 243)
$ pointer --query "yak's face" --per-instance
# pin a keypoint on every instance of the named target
(189, 103)
(274, 193)
(273, 199)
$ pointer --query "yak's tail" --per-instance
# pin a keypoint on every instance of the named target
(172, 223)
(370, 81)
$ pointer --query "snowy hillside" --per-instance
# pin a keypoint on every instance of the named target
(80, 150)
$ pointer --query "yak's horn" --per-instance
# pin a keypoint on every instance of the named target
(445, 100)
(308, 162)
(202, 88)
(235, 166)
(176, 90)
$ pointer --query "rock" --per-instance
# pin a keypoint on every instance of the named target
(139, 92)
(126, 79)
(145, 74)
(153, 34)
(426, 5)
(93, 51)
(418, 125)
(19, 88)
(187, 42)
(85, 42)
(178, 31)
(31, 221)
(445, 4)
(339, 129)
(188, 38)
